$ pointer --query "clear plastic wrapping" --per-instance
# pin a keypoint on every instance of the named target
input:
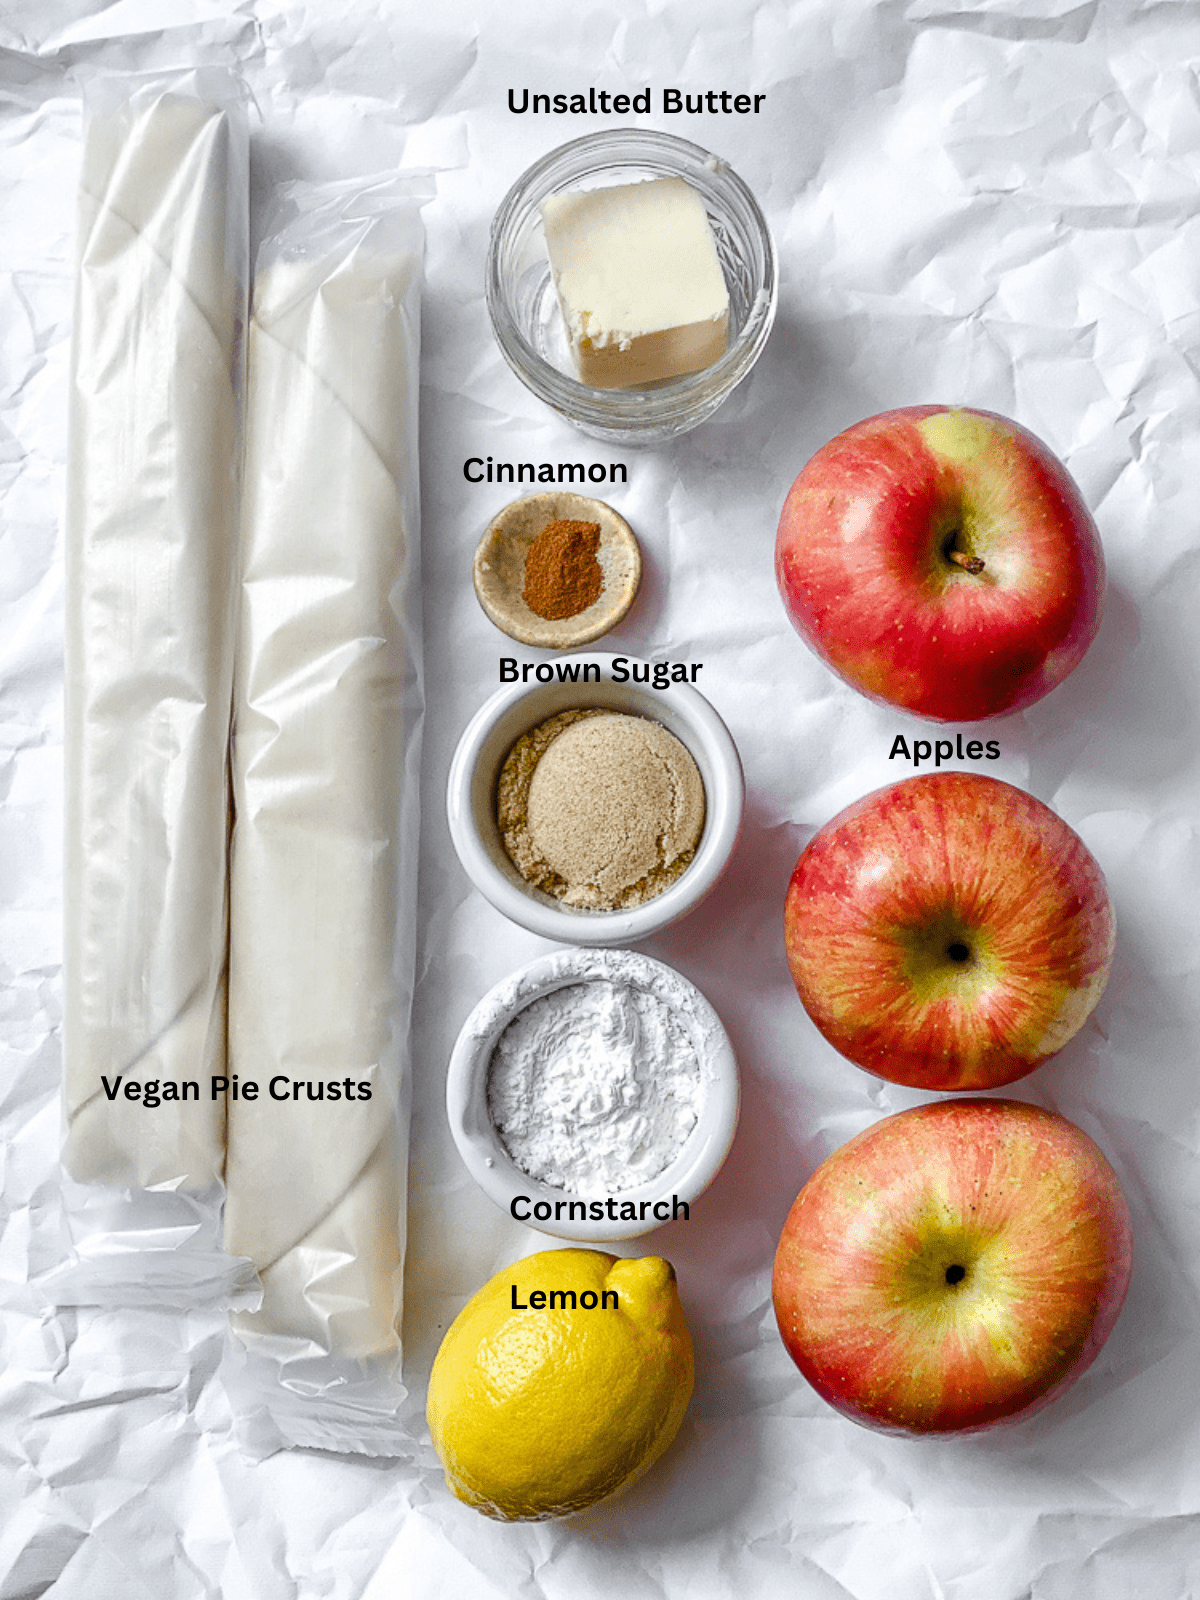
(325, 782)
(151, 535)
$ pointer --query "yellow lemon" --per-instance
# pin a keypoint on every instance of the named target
(562, 1381)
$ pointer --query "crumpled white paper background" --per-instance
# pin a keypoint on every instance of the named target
(990, 203)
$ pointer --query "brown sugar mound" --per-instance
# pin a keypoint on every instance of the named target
(601, 810)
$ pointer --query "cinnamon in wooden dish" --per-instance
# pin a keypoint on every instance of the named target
(562, 574)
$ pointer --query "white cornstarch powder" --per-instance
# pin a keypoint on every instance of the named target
(595, 1087)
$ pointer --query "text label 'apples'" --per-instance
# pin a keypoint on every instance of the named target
(953, 1267)
(943, 560)
(948, 932)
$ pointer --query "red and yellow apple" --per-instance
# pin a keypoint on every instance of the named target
(948, 932)
(953, 1267)
(941, 559)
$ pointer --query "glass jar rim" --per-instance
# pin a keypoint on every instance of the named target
(686, 399)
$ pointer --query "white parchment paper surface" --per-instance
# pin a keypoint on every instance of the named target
(989, 203)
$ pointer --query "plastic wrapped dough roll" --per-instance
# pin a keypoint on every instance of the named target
(151, 535)
(325, 785)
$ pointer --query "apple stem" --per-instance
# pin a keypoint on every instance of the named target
(971, 564)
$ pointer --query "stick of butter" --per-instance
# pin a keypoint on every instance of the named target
(639, 282)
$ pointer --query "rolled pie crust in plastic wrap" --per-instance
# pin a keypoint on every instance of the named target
(325, 770)
(151, 534)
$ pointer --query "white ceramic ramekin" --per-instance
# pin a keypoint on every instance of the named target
(512, 711)
(539, 1205)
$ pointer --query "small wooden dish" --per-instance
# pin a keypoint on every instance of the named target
(500, 570)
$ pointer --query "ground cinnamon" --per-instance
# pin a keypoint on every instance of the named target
(562, 575)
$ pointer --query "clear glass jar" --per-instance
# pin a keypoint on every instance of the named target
(524, 307)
